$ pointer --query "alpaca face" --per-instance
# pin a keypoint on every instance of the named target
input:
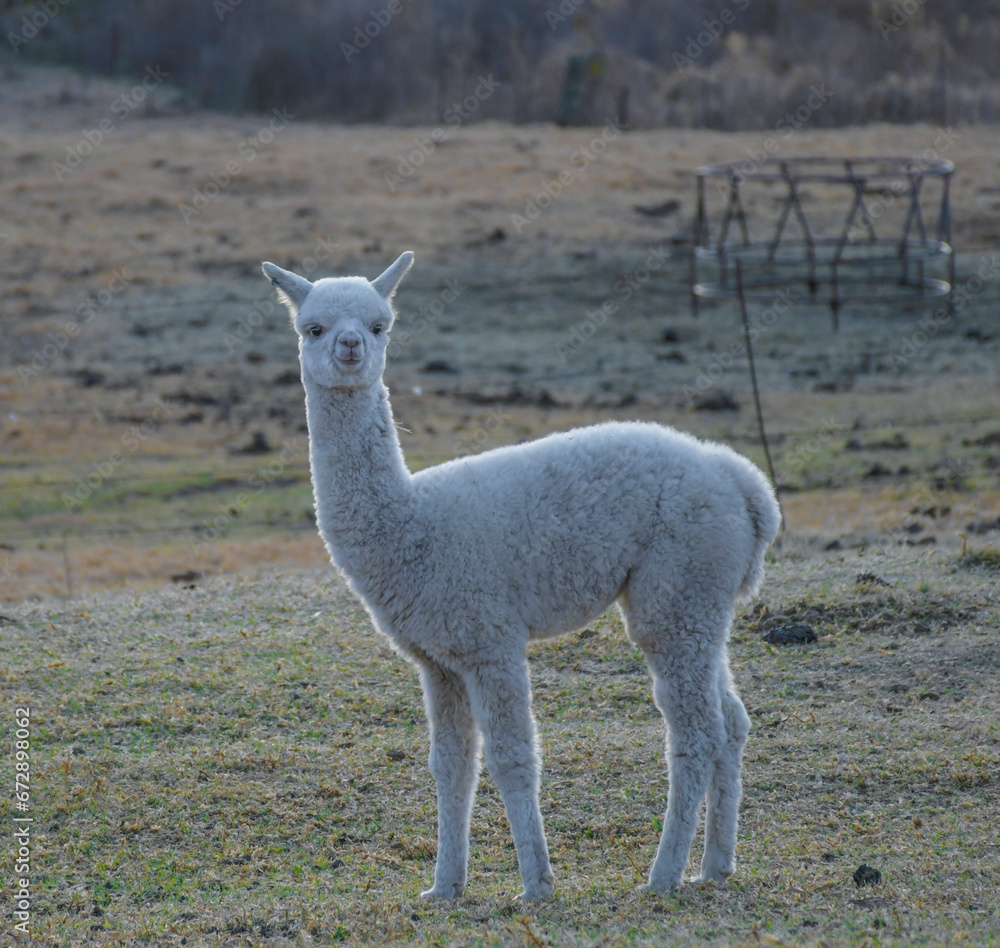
(343, 323)
(343, 330)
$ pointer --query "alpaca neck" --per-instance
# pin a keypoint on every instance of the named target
(364, 495)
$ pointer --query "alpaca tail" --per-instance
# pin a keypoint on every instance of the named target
(765, 517)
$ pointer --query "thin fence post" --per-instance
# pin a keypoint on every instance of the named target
(756, 390)
(66, 567)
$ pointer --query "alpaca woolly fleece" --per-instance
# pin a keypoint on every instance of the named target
(461, 565)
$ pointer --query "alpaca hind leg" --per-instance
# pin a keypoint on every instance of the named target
(454, 762)
(684, 675)
(501, 702)
(725, 788)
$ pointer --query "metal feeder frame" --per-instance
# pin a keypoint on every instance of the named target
(847, 271)
(835, 270)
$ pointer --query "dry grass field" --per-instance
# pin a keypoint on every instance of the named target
(245, 764)
(234, 758)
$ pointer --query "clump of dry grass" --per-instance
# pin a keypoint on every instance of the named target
(982, 559)
(244, 764)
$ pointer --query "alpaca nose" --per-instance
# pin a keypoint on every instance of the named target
(348, 348)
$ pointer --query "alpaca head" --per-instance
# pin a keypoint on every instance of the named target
(343, 323)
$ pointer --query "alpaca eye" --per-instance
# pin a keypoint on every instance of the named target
(376, 329)
(315, 331)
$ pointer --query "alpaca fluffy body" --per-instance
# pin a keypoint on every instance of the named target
(462, 564)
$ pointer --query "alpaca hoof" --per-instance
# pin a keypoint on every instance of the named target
(704, 880)
(534, 895)
(660, 888)
(542, 889)
(716, 876)
(451, 891)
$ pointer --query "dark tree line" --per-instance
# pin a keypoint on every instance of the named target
(725, 64)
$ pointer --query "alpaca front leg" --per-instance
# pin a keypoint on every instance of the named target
(454, 763)
(501, 701)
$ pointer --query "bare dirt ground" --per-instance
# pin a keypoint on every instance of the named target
(143, 351)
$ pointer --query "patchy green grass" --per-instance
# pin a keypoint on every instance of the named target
(159, 494)
(245, 764)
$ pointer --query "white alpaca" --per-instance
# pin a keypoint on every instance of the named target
(462, 564)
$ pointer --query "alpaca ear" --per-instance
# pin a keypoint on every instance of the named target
(385, 285)
(292, 289)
